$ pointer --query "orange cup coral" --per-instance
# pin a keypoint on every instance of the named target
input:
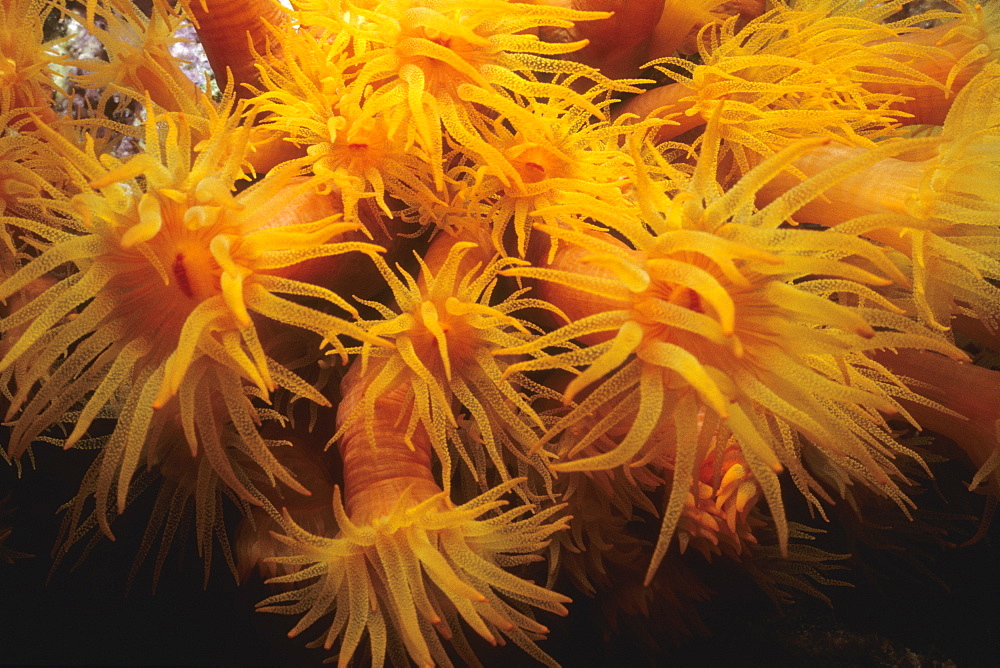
(637, 310)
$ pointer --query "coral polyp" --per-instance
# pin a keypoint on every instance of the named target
(446, 316)
(169, 266)
(709, 309)
(28, 61)
(444, 339)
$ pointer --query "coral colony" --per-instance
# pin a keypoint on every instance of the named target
(573, 299)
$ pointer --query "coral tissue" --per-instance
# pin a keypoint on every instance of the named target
(460, 309)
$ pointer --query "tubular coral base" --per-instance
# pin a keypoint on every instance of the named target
(461, 226)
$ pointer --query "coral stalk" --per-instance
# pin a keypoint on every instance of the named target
(232, 31)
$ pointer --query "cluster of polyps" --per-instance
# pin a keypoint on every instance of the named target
(609, 311)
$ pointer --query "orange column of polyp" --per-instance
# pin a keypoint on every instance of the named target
(971, 391)
(665, 101)
(617, 45)
(884, 187)
(377, 473)
(226, 29)
(575, 303)
(681, 20)
(347, 274)
(930, 104)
